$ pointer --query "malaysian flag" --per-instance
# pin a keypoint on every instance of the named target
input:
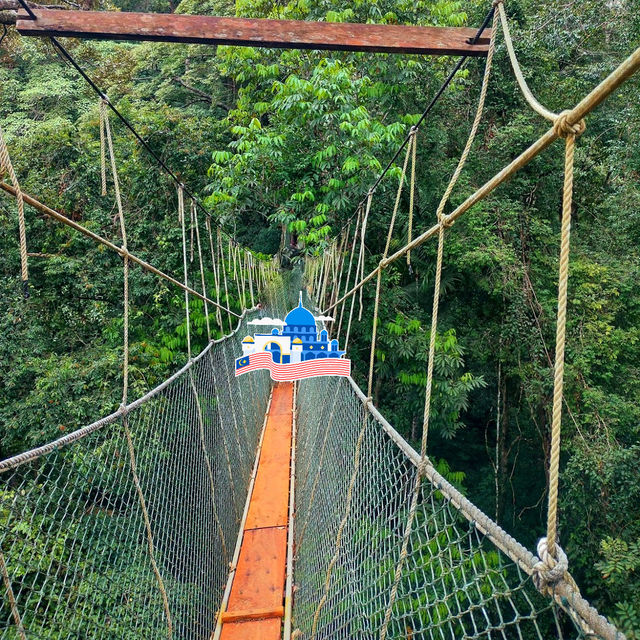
(293, 371)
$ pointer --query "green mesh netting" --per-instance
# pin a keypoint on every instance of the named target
(72, 532)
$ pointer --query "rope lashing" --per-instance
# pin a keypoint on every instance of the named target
(549, 571)
(563, 128)
(7, 166)
(569, 132)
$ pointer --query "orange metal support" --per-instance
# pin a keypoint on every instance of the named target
(255, 608)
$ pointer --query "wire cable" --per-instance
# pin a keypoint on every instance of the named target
(70, 59)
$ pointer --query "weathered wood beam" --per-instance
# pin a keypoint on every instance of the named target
(291, 34)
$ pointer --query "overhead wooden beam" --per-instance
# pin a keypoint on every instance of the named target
(291, 34)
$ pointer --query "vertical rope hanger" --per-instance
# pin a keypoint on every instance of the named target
(224, 276)
(6, 165)
(15, 613)
(216, 274)
(194, 215)
(553, 563)
(106, 134)
(359, 265)
(412, 193)
(351, 254)
(184, 264)
(420, 471)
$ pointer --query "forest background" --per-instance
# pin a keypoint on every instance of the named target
(281, 145)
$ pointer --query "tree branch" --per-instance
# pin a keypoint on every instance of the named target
(202, 95)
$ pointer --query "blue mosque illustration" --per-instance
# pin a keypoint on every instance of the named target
(298, 341)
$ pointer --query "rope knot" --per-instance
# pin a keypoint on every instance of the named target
(563, 128)
(122, 409)
(496, 3)
(444, 221)
(549, 571)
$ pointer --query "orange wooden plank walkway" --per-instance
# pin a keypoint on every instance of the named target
(256, 603)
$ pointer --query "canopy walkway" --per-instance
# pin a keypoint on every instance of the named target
(210, 508)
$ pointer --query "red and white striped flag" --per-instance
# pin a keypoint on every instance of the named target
(293, 371)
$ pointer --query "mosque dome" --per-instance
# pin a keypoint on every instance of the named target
(297, 341)
(300, 316)
(248, 339)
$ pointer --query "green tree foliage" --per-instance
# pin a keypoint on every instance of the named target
(283, 145)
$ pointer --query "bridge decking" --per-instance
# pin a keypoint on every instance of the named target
(255, 607)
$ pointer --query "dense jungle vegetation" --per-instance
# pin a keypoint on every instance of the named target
(282, 145)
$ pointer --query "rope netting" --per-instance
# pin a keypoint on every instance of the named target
(74, 540)
(456, 582)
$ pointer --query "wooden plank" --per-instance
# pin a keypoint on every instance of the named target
(255, 614)
(282, 399)
(255, 630)
(255, 606)
(290, 34)
(269, 505)
(259, 579)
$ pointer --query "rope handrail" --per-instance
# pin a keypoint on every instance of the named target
(56, 215)
(32, 454)
(571, 117)
(563, 592)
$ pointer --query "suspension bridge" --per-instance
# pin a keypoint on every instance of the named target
(217, 506)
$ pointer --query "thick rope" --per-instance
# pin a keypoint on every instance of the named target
(412, 193)
(341, 259)
(522, 83)
(597, 95)
(420, 471)
(191, 231)
(569, 132)
(362, 246)
(376, 305)
(103, 151)
(125, 383)
(7, 166)
(249, 262)
(184, 265)
(396, 204)
(125, 260)
(15, 613)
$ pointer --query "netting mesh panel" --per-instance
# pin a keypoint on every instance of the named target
(455, 583)
(73, 541)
